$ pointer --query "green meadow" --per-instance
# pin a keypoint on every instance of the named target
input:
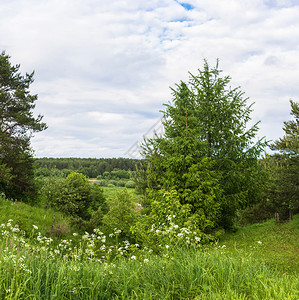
(258, 261)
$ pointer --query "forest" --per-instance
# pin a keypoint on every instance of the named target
(90, 167)
(206, 214)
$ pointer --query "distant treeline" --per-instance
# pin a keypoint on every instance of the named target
(90, 167)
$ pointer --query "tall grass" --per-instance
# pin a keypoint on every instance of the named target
(183, 274)
(33, 267)
(277, 245)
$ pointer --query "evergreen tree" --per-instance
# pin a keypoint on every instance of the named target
(17, 124)
(289, 143)
(284, 186)
(207, 154)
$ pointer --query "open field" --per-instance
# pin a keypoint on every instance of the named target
(111, 192)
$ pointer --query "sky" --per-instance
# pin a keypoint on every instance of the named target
(103, 69)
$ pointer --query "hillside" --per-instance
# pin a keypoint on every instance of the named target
(257, 262)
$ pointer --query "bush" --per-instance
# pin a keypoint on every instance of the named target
(121, 183)
(74, 196)
(255, 214)
(122, 213)
(60, 230)
(130, 184)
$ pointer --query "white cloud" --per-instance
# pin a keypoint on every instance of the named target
(103, 68)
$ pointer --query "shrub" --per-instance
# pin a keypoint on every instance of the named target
(130, 184)
(75, 196)
(122, 213)
(121, 183)
(60, 230)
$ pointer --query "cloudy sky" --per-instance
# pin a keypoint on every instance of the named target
(103, 68)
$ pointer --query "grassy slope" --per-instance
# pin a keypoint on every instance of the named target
(25, 215)
(232, 272)
(277, 245)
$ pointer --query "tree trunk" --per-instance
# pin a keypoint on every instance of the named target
(276, 218)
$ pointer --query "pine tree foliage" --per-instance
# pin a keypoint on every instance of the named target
(17, 123)
(208, 154)
(284, 184)
(289, 143)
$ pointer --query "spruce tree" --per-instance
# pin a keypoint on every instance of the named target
(208, 155)
(284, 184)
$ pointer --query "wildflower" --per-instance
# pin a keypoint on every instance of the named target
(166, 246)
(146, 260)
(75, 234)
(133, 257)
(259, 242)
(117, 231)
(35, 227)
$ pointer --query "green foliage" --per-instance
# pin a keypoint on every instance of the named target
(75, 196)
(130, 184)
(207, 154)
(90, 167)
(257, 262)
(17, 124)
(122, 213)
(283, 169)
(169, 223)
(257, 213)
(289, 143)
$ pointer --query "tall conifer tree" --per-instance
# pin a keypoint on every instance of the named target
(17, 124)
(208, 154)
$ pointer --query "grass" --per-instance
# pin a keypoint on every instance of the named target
(259, 261)
(185, 275)
(26, 216)
(111, 192)
(276, 245)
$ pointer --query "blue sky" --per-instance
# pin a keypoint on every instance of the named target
(103, 68)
